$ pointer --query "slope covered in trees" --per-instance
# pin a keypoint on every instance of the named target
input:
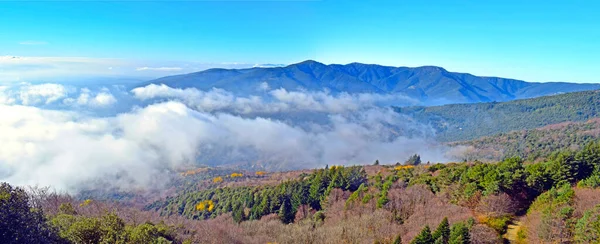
(534, 144)
(557, 199)
(459, 122)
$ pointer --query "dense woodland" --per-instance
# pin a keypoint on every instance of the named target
(458, 122)
(532, 145)
(556, 200)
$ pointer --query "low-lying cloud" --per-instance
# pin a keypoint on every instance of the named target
(275, 101)
(188, 127)
(55, 94)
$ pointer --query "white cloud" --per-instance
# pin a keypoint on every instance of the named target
(139, 148)
(160, 68)
(64, 149)
(87, 98)
(55, 94)
(268, 65)
(280, 100)
(4, 97)
(43, 93)
(264, 86)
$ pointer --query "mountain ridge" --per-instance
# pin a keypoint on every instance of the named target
(460, 122)
(431, 85)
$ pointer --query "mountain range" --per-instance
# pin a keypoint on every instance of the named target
(430, 85)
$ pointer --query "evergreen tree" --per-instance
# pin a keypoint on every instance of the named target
(443, 231)
(459, 234)
(238, 213)
(376, 162)
(315, 192)
(286, 213)
(424, 237)
(413, 160)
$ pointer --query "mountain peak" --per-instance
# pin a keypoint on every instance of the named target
(309, 62)
(427, 84)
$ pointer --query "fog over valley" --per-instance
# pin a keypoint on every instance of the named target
(67, 136)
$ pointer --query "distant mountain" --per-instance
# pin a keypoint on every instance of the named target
(428, 84)
(456, 122)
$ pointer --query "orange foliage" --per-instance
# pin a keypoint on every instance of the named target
(218, 179)
(261, 173)
(233, 175)
(207, 205)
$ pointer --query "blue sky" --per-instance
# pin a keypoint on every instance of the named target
(530, 40)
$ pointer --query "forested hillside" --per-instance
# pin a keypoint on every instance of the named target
(534, 144)
(555, 200)
(459, 122)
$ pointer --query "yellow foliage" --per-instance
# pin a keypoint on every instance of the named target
(218, 179)
(336, 167)
(260, 173)
(233, 175)
(85, 203)
(207, 205)
(401, 167)
(193, 171)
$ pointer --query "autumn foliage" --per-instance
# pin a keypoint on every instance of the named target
(206, 205)
(217, 179)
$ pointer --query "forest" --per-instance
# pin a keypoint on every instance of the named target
(534, 144)
(459, 122)
(555, 200)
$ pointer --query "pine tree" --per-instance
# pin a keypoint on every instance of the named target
(398, 239)
(238, 213)
(442, 231)
(315, 192)
(376, 162)
(424, 237)
(413, 160)
(286, 213)
(459, 234)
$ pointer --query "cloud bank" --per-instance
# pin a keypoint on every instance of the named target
(179, 128)
(276, 101)
(55, 94)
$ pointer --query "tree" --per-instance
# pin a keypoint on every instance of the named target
(459, 234)
(442, 231)
(315, 191)
(113, 229)
(286, 214)
(424, 237)
(18, 222)
(376, 162)
(413, 160)
(151, 233)
(238, 213)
